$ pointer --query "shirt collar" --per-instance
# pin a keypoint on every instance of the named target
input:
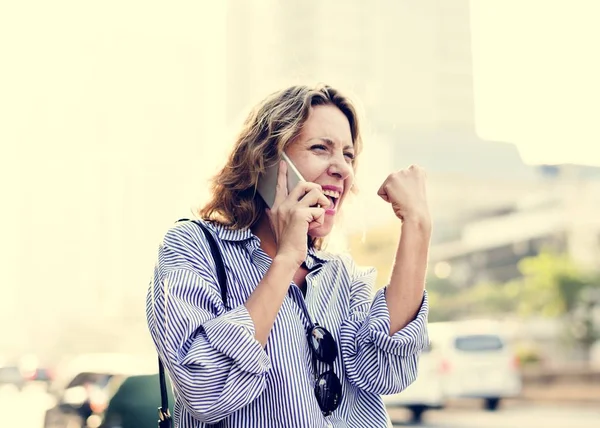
(225, 234)
(322, 256)
(239, 235)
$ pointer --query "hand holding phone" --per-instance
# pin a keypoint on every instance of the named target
(293, 211)
(267, 183)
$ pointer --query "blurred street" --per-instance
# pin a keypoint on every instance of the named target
(26, 410)
(522, 415)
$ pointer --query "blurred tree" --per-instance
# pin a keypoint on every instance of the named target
(551, 286)
(442, 286)
(485, 299)
(377, 248)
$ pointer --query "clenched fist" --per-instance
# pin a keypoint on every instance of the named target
(406, 191)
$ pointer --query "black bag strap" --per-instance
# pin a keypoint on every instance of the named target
(216, 254)
(164, 417)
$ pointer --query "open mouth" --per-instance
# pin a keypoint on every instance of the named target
(333, 196)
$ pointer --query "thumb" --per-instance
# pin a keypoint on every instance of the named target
(383, 195)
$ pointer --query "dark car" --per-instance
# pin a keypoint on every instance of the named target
(83, 386)
(84, 396)
(42, 374)
(11, 375)
(134, 403)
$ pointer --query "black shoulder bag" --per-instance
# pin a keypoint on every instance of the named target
(164, 416)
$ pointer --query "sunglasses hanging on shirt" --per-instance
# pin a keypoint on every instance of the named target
(328, 388)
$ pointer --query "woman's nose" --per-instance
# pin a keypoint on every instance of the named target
(339, 167)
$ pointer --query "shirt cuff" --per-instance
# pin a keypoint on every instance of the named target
(407, 341)
(233, 334)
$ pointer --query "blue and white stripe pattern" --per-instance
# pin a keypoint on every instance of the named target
(218, 369)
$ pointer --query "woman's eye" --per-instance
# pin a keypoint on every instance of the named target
(319, 147)
(349, 155)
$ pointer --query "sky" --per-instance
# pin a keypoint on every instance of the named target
(536, 66)
(535, 63)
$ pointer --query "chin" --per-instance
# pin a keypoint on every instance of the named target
(321, 231)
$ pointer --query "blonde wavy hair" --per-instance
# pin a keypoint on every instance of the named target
(269, 128)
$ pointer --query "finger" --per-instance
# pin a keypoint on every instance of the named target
(384, 196)
(281, 190)
(314, 225)
(382, 192)
(268, 212)
(317, 223)
(315, 197)
(309, 215)
(314, 216)
(301, 189)
(319, 215)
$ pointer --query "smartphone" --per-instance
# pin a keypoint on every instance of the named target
(268, 181)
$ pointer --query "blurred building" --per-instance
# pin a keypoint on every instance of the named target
(563, 218)
(408, 62)
(423, 79)
(272, 44)
(428, 100)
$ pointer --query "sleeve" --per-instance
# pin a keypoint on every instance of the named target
(375, 361)
(215, 364)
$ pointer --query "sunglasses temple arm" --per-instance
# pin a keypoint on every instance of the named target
(315, 368)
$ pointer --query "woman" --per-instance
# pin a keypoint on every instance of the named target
(249, 362)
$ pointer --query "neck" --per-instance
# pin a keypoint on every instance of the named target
(262, 229)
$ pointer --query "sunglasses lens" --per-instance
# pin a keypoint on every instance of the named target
(328, 391)
(322, 344)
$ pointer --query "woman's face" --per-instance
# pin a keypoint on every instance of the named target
(324, 154)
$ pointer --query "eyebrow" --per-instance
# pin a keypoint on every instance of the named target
(330, 142)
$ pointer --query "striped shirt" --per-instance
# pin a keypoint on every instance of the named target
(219, 371)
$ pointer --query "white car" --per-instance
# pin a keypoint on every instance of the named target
(426, 392)
(478, 361)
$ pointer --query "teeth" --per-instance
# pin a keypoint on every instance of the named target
(332, 193)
